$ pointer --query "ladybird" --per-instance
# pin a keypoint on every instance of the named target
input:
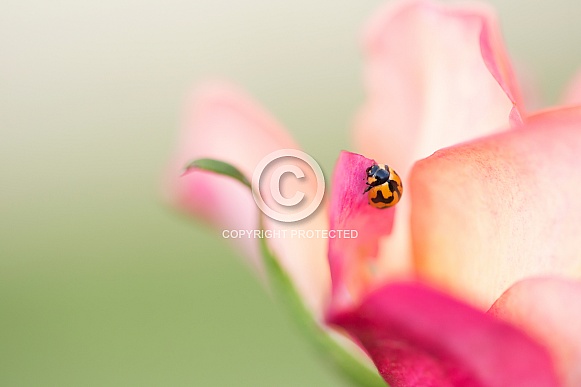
(384, 188)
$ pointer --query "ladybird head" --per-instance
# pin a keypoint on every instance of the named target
(372, 170)
(378, 174)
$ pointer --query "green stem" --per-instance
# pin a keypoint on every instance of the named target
(342, 359)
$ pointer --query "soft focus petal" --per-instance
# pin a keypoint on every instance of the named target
(224, 124)
(436, 75)
(419, 337)
(573, 93)
(549, 309)
(219, 119)
(354, 260)
(489, 213)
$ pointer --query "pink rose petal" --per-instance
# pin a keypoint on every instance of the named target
(549, 309)
(489, 213)
(419, 337)
(223, 123)
(436, 75)
(219, 119)
(353, 260)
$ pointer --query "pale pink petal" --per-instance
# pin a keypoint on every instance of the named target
(420, 337)
(219, 119)
(224, 124)
(436, 75)
(489, 213)
(573, 92)
(353, 260)
(549, 309)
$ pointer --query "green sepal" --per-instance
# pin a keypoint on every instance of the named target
(219, 167)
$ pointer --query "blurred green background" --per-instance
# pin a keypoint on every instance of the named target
(100, 283)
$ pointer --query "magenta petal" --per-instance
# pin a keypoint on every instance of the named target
(351, 259)
(420, 337)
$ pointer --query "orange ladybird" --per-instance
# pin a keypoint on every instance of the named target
(384, 188)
